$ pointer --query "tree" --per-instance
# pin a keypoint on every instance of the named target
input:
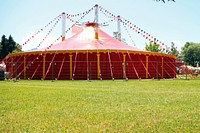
(8, 46)
(191, 53)
(153, 47)
(11, 44)
(173, 50)
(17, 49)
(0, 47)
(4, 43)
(165, 0)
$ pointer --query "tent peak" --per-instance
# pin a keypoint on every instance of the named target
(92, 24)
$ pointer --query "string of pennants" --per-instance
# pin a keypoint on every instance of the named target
(68, 16)
(49, 32)
(83, 23)
(35, 59)
(137, 29)
(106, 12)
(39, 31)
(58, 18)
(142, 32)
(129, 35)
(58, 38)
(81, 14)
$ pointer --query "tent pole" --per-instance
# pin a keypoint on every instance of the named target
(124, 66)
(147, 66)
(98, 66)
(119, 28)
(63, 25)
(96, 19)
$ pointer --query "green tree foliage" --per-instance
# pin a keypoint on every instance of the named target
(4, 44)
(165, 0)
(191, 53)
(152, 47)
(11, 44)
(173, 50)
(0, 47)
(8, 46)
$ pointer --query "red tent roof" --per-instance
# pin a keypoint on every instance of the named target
(85, 40)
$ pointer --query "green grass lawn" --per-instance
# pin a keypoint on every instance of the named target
(100, 106)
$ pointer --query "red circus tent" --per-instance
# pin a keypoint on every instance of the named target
(85, 57)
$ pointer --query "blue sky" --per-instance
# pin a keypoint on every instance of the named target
(178, 22)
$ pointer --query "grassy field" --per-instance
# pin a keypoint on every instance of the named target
(100, 106)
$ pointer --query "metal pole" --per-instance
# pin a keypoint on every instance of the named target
(63, 25)
(119, 28)
(124, 66)
(96, 19)
(125, 63)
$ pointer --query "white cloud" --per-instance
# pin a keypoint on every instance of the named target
(34, 43)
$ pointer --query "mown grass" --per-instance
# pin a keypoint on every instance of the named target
(100, 106)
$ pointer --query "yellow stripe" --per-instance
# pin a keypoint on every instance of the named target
(70, 65)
